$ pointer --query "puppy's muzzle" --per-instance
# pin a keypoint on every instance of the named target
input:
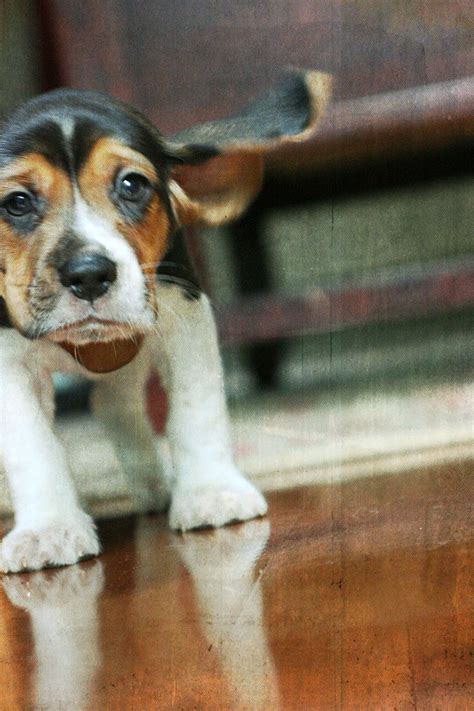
(88, 276)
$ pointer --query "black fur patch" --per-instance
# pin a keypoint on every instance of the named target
(20, 136)
(4, 318)
(284, 110)
(36, 126)
(177, 268)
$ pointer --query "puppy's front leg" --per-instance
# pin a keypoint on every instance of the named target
(209, 490)
(50, 528)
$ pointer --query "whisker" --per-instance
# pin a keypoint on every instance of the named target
(179, 281)
(161, 263)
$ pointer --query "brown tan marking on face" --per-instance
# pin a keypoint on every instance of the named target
(148, 235)
(149, 239)
(21, 254)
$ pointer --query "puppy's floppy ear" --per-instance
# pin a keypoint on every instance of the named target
(218, 166)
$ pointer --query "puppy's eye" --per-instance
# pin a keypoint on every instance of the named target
(132, 187)
(18, 204)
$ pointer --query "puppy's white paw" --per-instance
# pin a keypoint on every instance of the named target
(214, 504)
(54, 544)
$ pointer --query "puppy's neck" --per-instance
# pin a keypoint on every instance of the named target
(104, 357)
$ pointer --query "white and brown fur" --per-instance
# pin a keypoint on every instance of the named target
(94, 279)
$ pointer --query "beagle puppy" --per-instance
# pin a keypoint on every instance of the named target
(95, 280)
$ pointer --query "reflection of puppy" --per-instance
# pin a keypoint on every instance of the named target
(63, 612)
(92, 199)
(222, 565)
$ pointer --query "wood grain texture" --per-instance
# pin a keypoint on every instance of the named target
(357, 594)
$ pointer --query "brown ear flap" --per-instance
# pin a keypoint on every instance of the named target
(219, 165)
(217, 191)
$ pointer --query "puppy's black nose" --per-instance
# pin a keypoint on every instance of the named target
(88, 276)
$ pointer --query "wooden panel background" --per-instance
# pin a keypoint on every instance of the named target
(181, 62)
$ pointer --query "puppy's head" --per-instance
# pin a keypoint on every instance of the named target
(91, 194)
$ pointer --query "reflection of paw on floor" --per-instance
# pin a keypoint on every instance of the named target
(55, 588)
(228, 589)
(63, 611)
(224, 553)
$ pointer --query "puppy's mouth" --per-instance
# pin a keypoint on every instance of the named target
(94, 329)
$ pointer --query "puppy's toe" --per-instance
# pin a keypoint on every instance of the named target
(54, 544)
(214, 505)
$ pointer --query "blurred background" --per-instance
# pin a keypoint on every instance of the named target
(351, 277)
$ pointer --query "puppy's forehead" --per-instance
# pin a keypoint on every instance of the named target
(64, 126)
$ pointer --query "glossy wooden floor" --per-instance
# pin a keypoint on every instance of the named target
(353, 596)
